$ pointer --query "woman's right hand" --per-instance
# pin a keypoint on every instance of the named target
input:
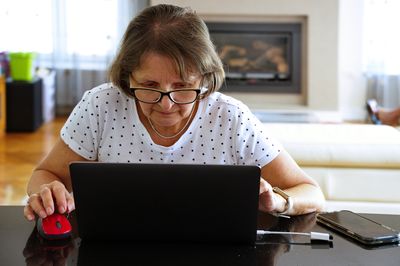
(50, 196)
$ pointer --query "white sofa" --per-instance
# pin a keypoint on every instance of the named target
(356, 165)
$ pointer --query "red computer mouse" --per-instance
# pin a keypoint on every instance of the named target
(55, 226)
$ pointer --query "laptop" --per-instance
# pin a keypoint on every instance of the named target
(166, 202)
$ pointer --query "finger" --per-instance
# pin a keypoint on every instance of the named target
(60, 262)
(38, 259)
(28, 213)
(59, 195)
(70, 202)
(47, 200)
(31, 251)
(67, 250)
(35, 202)
(265, 203)
(264, 186)
(49, 260)
(57, 258)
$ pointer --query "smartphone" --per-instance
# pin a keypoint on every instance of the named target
(358, 227)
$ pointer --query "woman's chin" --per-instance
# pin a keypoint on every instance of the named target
(165, 120)
(165, 123)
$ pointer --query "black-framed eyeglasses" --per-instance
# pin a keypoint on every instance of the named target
(180, 96)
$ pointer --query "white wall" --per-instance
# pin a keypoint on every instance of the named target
(333, 56)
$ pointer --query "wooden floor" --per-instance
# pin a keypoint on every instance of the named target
(19, 154)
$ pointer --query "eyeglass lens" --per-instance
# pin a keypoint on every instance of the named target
(153, 96)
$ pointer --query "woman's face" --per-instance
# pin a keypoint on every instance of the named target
(159, 72)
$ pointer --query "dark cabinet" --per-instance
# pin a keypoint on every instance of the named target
(24, 105)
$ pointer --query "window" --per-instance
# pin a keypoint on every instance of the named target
(91, 26)
(26, 26)
(382, 40)
(62, 32)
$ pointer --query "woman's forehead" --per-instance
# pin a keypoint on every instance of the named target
(153, 65)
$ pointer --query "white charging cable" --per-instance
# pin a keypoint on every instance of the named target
(313, 235)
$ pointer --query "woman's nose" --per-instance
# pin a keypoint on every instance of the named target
(166, 102)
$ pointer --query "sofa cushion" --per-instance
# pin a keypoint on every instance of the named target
(355, 184)
(339, 145)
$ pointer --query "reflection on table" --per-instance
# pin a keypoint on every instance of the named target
(20, 244)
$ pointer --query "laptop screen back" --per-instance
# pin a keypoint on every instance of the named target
(161, 202)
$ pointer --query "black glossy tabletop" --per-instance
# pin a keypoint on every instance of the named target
(21, 245)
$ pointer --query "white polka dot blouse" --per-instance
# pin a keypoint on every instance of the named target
(105, 126)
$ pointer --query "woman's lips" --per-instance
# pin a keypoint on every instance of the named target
(166, 113)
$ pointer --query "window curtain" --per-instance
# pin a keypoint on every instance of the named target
(76, 38)
(381, 51)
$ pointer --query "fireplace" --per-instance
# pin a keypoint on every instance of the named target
(259, 57)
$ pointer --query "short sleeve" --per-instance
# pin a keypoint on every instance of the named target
(81, 131)
(254, 146)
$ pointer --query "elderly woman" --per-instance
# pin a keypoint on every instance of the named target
(162, 106)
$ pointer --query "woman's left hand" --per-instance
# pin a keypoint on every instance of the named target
(268, 200)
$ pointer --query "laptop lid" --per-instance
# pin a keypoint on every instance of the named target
(164, 202)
